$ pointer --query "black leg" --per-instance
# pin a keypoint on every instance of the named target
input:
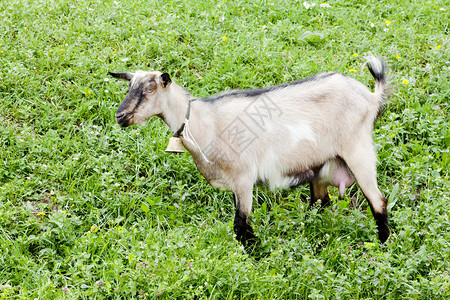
(382, 222)
(244, 232)
(318, 191)
(361, 160)
(242, 229)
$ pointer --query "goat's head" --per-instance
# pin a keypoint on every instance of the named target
(145, 95)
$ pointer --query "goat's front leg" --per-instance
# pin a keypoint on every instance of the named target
(242, 229)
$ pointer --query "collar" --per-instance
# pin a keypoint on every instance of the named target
(188, 112)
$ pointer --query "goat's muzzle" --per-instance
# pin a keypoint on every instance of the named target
(123, 118)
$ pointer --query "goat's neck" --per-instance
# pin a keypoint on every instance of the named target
(175, 107)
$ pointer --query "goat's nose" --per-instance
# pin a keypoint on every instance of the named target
(120, 114)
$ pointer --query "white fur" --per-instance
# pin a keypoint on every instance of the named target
(303, 131)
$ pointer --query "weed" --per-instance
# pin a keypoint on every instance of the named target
(90, 210)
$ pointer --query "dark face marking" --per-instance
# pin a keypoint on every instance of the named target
(136, 95)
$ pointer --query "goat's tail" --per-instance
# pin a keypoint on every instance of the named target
(377, 68)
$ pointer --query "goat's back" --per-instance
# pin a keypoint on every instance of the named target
(281, 130)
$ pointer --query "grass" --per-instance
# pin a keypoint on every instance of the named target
(92, 211)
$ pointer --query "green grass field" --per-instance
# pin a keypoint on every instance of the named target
(89, 210)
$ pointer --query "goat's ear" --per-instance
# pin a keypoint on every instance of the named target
(165, 79)
(124, 75)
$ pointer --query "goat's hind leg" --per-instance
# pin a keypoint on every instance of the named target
(318, 191)
(361, 160)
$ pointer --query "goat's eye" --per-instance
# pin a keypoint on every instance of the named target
(149, 89)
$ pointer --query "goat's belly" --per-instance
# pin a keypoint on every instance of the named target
(289, 180)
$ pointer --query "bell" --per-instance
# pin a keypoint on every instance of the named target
(175, 145)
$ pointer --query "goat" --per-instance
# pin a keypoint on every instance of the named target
(317, 130)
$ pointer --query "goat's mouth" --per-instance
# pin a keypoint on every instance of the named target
(124, 119)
